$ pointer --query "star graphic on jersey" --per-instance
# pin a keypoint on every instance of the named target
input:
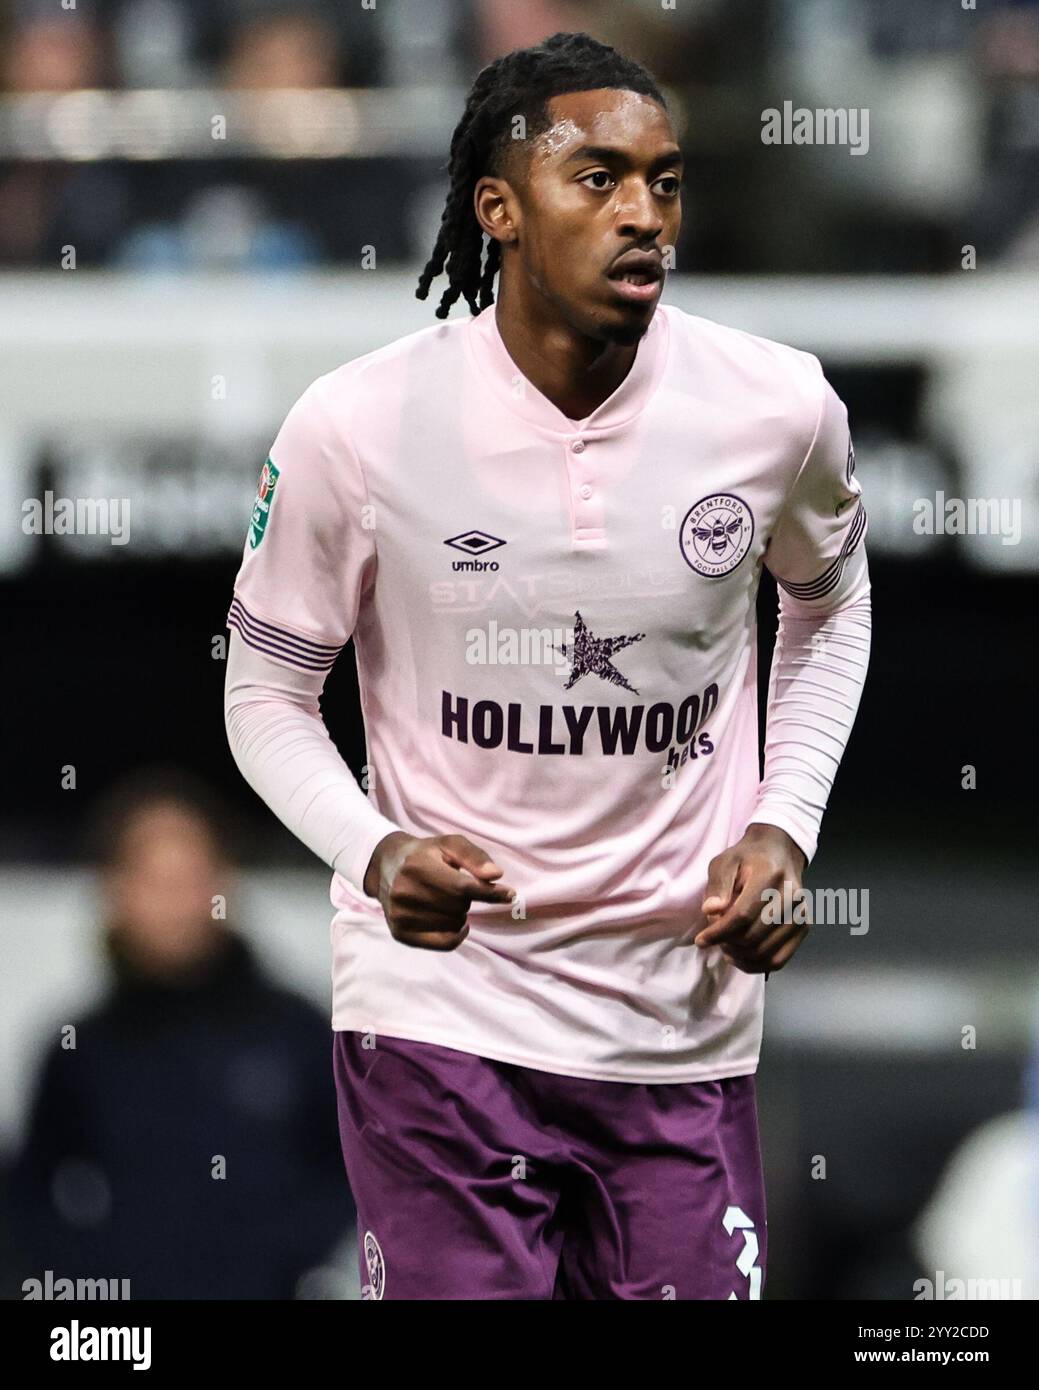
(591, 655)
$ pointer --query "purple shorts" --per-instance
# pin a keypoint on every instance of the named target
(478, 1179)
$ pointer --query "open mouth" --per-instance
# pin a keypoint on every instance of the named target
(637, 286)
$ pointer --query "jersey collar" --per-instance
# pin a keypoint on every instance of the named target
(497, 368)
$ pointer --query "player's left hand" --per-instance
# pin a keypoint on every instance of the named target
(737, 879)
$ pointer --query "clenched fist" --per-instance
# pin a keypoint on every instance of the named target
(425, 887)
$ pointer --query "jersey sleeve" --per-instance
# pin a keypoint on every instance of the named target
(310, 552)
(822, 523)
(283, 750)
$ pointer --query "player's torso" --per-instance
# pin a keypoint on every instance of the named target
(613, 567)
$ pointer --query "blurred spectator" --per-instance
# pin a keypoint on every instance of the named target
(293, 49)
(1003, 221)
(183, 1134)
(57, 53)
(981, 1223)
(502, 26)
(224, 227)
(222, 212)
(953, 97)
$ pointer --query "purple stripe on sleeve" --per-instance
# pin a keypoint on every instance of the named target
(277, 642)
(830, 577)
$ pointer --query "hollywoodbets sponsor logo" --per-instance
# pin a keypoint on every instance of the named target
(579, 729)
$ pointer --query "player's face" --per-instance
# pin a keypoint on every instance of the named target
(603, 181)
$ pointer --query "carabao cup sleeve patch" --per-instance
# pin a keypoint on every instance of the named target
(310, 554)
(265, 494)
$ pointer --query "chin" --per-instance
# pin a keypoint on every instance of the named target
(607, 324)
(625, 333)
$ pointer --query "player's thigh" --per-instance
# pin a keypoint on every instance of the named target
(435, 1156)
(673, 1206)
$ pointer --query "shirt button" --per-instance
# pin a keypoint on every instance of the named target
(586, 491)
(577, 445)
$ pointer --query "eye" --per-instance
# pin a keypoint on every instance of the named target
(597, 174)
(676, 187)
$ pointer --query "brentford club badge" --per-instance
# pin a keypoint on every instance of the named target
(716, 534)
(376, 1267)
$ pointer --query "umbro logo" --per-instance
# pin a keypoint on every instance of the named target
(475, 543)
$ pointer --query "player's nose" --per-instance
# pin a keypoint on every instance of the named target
(638, 214)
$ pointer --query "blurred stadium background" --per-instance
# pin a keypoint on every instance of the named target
(204, 204)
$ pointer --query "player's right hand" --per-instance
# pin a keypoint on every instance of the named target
(425, 887)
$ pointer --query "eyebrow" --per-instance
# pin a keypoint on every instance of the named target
(612, 154)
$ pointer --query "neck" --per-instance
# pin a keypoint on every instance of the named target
(575, 372)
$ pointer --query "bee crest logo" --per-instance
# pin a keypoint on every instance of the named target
(376, 1266)
(716, 534)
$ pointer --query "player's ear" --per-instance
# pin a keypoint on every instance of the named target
(497, 208)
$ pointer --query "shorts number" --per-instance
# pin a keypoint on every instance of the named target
(736, 1219)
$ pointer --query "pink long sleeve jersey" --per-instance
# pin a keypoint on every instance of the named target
(554, 623)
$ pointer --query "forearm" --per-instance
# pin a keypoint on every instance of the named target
(283, 750)
(817, 676)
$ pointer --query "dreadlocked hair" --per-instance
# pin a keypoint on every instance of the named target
(519, 84)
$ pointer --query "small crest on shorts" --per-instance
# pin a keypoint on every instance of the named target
(376, 1267)
(264, 501)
